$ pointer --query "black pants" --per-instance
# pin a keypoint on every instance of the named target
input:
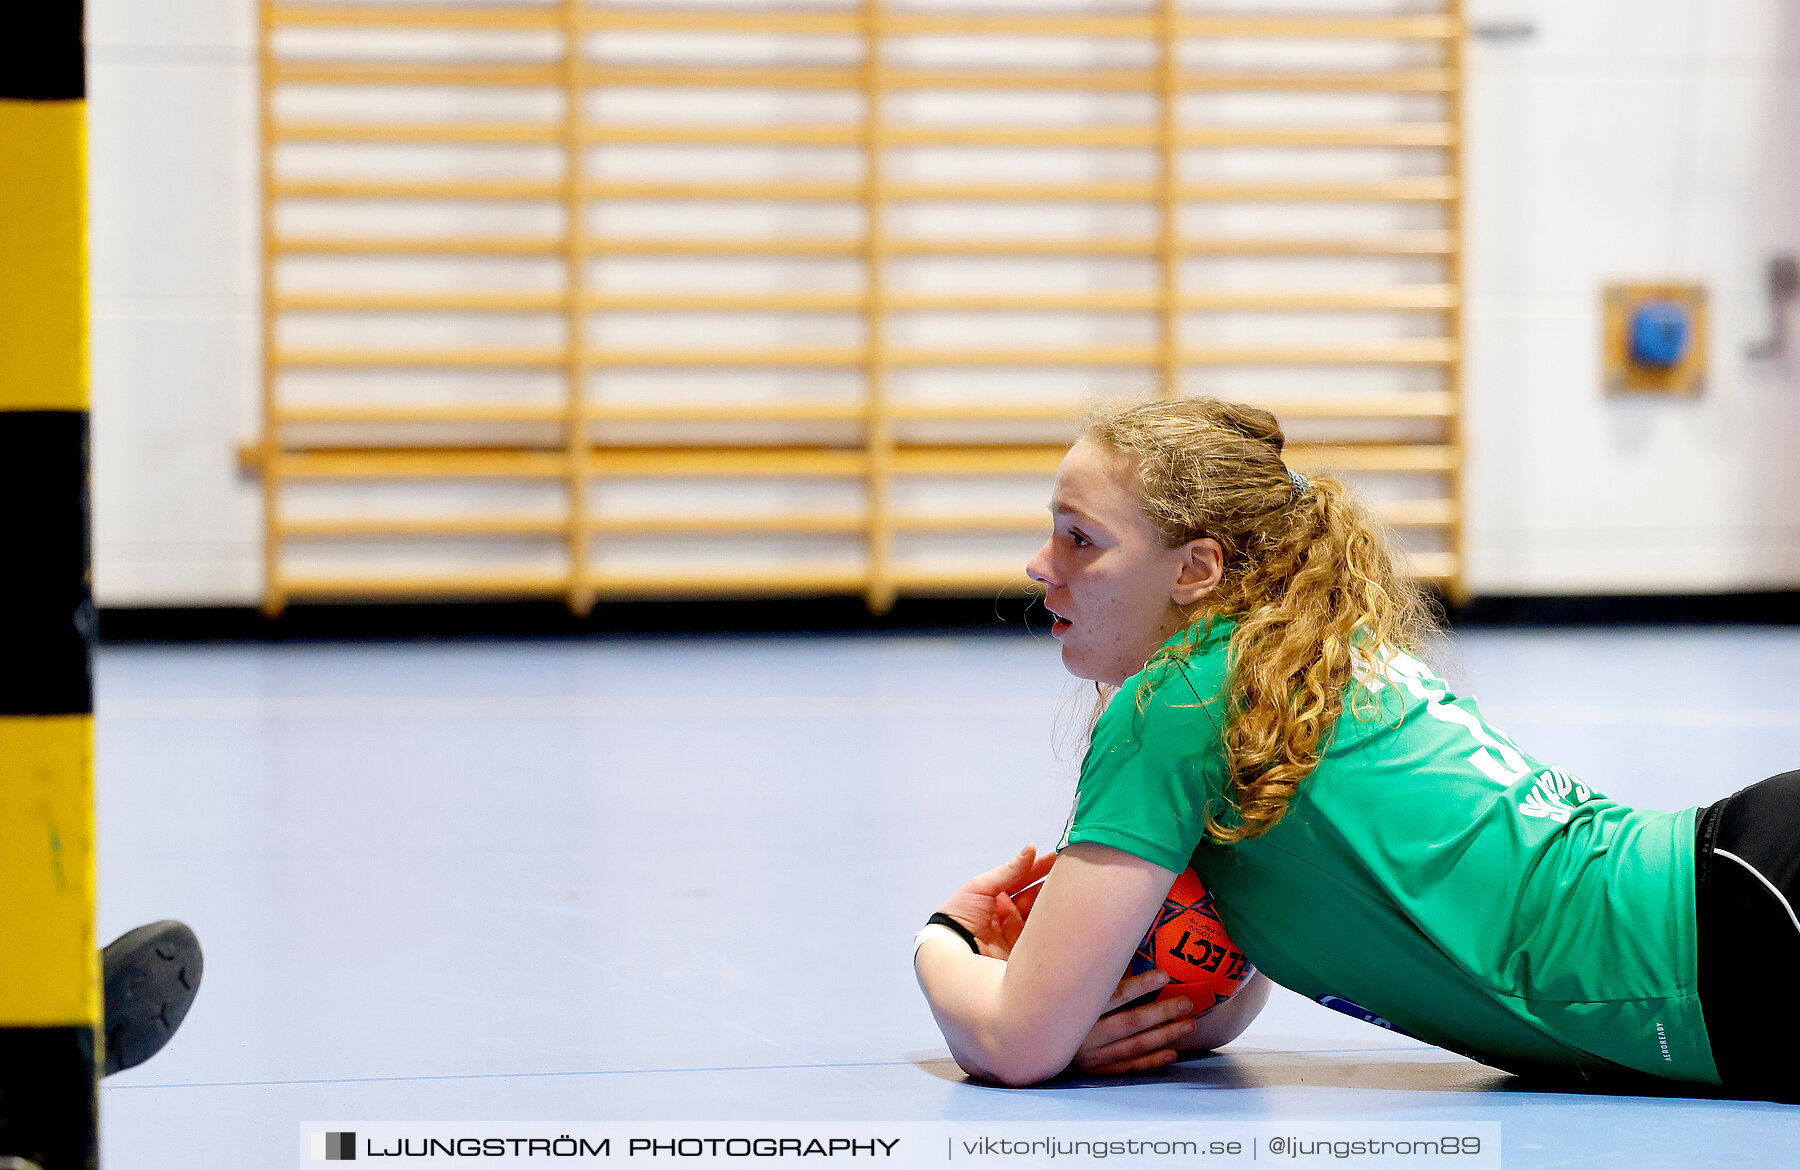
(1747, 886)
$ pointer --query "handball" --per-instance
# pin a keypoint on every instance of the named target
(1188, 943)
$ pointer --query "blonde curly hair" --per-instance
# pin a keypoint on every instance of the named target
(1309, 575)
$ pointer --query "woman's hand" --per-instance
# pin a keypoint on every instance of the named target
(986, 903)
(1136, 1039)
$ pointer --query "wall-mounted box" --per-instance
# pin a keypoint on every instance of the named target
(1655, 339)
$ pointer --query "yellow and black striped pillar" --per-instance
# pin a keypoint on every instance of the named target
(49, 972)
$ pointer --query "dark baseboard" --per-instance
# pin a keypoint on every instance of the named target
(834, 615)
(1773, 608)
(546, 619)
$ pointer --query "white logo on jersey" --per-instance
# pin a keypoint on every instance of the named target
(1495, 756)
(1549, 797)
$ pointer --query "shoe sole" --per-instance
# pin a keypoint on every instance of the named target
(149, 978)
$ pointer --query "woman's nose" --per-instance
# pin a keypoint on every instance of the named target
(1038, 567)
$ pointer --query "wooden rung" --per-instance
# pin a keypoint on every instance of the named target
(822, 246)
(1422, 404)
(1119, 135)
(1396, 514)
(710, 582)
(793, 523)
(1419, 351)
(1101, 300)
(725, 301)
(1406, 352)
(1135, 26)
(1391, 297)
(772, 412)
(657, 463)
(1116, 135)
(461, 302)
(451, 414)
(417, 245)
(462, 583)
(979, 461)
(1118, 300)
(1058, 80)
(1398, 27)
(1190, 81)
(386, 527)
(959, 579)
(774, 358)
(364, 414)
(729, 462)
(790, 189)
(685, 76)
(1113, 192)
(532, 526)
(449, 16)
(1074, 246)
(984, 412)
(849, 356)
(1428, 189)
(1419, 513)
(1443, 566)
(949, 523)
(458, 463)
(1319, 80)
(1413, 243)
(1115, 80)
(537, 189)
(1406, 405)
(529, 133)
(1373, 457)
(711, 462)
(715, 18)
(723, 134)
(1396, 297)
(728, 581)
(718, 19)
(1397, 134)
(381, 359)
(1092, 355)
(447, 73)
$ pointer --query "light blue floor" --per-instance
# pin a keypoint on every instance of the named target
(677, 879)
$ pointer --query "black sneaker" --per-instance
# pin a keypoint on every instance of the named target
(148, 980)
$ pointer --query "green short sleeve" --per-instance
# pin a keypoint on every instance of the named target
(1151, 768)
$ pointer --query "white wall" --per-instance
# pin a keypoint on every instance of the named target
(1627, 139)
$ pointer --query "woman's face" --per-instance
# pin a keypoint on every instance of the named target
(1115, 590)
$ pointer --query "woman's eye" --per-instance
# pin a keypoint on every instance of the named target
(1079, 540)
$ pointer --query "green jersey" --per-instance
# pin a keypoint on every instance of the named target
(1429, 875)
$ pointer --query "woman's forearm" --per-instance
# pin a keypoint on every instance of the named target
(964, 991)
(1020, 1010)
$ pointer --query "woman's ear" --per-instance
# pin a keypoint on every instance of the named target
(1202, 566)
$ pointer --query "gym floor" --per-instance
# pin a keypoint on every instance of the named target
(677, 878)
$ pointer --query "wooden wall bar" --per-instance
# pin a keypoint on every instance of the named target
(597, 300)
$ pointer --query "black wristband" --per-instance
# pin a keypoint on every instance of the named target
(943, 919)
